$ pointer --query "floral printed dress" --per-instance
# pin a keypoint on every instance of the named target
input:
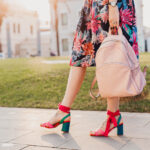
(93, 27)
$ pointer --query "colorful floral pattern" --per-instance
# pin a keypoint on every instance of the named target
(93, 27)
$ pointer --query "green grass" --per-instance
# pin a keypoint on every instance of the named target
(30, 83)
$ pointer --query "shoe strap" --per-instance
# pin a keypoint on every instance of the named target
(119, 119)
(113, 114)
(62, 120)
(112, 119)
(64, 108)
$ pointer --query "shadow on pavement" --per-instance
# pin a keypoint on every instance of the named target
(58, 140)
(114, 141)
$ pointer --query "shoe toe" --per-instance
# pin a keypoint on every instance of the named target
(97, 133)
(93, 133)
(41, 125)
(46, 125)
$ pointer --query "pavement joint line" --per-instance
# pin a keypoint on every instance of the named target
(65, 148)
(9, 141)
(130, 138)
(29, 145)
(146, 123)
(36, 145)
(24, 147)
(43, 146)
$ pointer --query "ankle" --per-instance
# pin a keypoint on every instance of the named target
(63, 108)
(113, 114)
(61, 112)
(113, 110)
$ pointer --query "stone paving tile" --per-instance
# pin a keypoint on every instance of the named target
(137, 132)
(137, 144)
(24, 113)
(21, 126)
(9, 134)
(136, 118)
(95, 143)
(11, 146)
(51, 138)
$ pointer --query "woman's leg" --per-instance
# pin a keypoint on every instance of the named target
(113, 106)
(75, 79)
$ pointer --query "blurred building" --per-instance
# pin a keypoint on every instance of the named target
(45, 39)
(18, 33)
(147, 38)
(139, 15)
(68, 15)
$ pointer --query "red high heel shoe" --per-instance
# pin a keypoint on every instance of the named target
(65, 121)
(111, 119)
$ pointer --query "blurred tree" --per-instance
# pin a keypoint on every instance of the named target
(56, 23)
(3, 10)
(54, 4)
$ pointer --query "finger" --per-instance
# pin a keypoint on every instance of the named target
(113, 23)
(114, 28)
(114, 31)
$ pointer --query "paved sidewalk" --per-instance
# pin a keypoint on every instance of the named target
(20, 130)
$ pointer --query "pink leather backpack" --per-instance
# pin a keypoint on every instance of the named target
(118, 70)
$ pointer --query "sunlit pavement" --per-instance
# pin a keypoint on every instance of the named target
(20, 130)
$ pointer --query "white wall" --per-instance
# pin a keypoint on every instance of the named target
(140, 28)
(72, 8)
(45, 44)
(148, 43)
(25, 23)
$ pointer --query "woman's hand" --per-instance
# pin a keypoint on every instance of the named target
(113, 16)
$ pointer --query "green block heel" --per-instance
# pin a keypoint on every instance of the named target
(120, 130)
(65, 127)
